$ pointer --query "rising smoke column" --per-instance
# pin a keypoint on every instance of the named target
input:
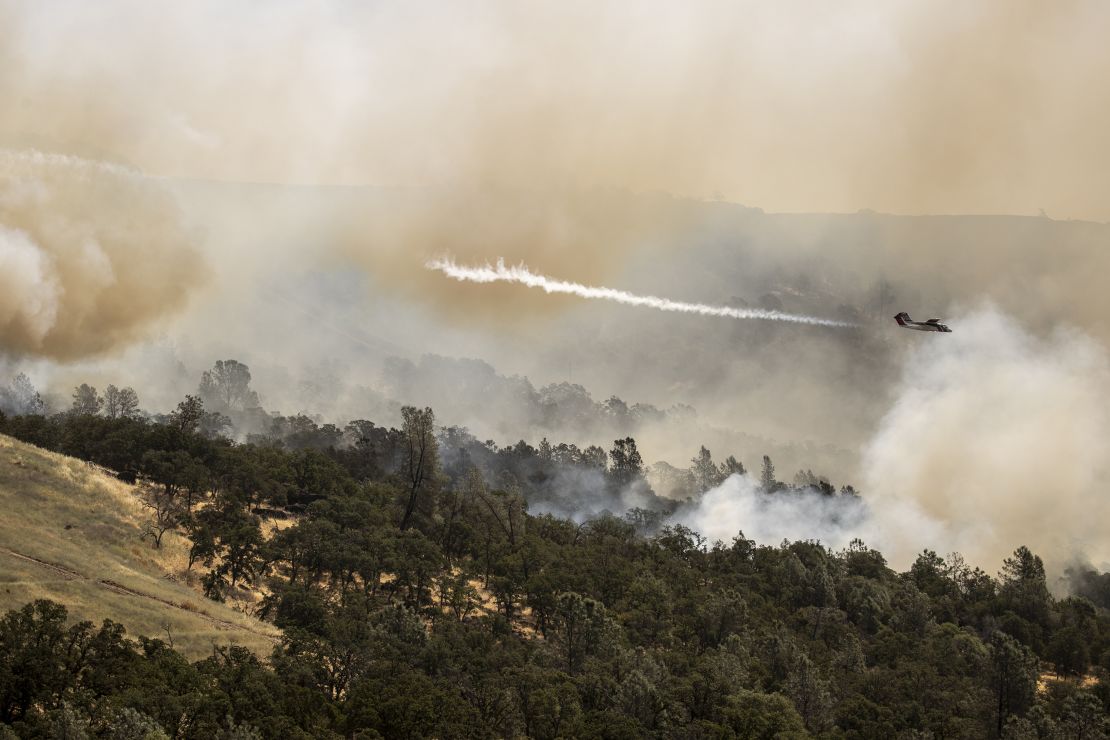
(524, 276)
(996, 439)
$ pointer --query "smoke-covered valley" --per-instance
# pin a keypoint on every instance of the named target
(197, 192)
(941, 435)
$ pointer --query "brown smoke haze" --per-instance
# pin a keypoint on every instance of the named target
(182, 167)
(516, 120)
(907, 107)
(90, 256)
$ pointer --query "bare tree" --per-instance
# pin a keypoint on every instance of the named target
(21, 397)
(168, 512)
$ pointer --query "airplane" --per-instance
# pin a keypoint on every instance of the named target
(904, 320)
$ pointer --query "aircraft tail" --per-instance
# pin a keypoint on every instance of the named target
(902, 318)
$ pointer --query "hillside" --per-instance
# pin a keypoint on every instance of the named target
(71, 533)
(482, 619)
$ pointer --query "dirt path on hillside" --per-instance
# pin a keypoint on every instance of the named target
(72, 575)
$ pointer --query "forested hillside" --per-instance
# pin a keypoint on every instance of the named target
(417, 596)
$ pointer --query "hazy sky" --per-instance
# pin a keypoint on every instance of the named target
(514, 125)
(909, 107)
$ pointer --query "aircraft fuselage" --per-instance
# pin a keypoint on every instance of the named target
(906, 322)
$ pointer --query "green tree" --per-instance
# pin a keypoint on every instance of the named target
(1069, 652)
(767, 476)
(1024, 593)
(241, 543)
(179, 473)
(584, 629)
(594, 457)
(810, 693)
(545, 452)
(718, 615)
(421, 459)
(120, 403)
(44, 663)
(129, 724)
(731, 466)
(186, 418)
(1013, 678)
(756, 716)
(68, 723)
(648, 610)
(627, 464)
(1083, 717)
(705, 472)
(548, 703)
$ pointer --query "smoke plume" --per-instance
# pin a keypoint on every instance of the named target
(522, 275)
(90, 255)
(739, 504)
(996, 439)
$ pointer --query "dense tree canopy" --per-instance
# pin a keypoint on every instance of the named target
(422, 593)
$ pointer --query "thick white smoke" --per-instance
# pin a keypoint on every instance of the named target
(739, 504)
(522, 275)
(27, 281)
(996, 439)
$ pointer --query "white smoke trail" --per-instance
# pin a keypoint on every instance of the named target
(29, 162)
(521, 274)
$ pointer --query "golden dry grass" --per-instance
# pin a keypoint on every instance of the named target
(71, 533)
(1047, 679)
(525, 624)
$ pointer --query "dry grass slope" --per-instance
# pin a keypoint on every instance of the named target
(72, 534)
